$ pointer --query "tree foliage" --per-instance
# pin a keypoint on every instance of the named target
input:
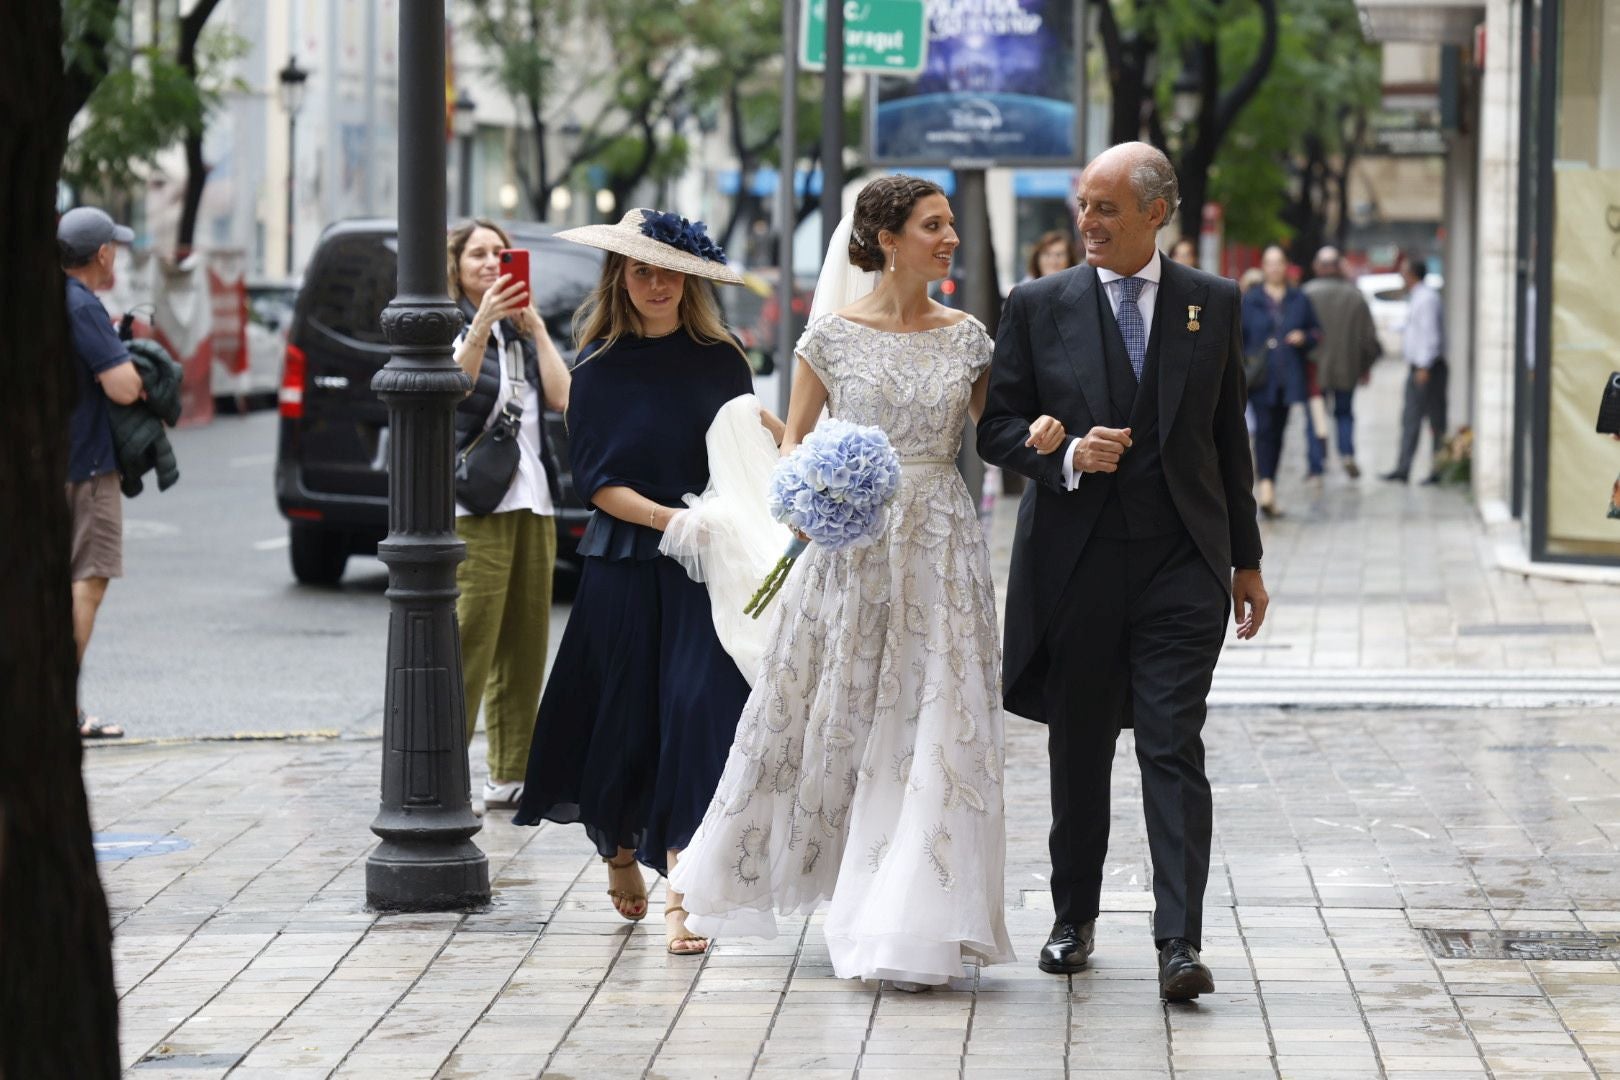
(139, 99)
(1281, 90)
(667, 71)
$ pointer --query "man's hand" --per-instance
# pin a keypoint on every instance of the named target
(1249, 601)
(1100, 449)
(1046, 434)
(1296, 338)
(1420, 376)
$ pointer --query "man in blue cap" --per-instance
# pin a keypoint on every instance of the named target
(103, 371)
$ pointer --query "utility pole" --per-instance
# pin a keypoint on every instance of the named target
(787, 209)
(832, 125)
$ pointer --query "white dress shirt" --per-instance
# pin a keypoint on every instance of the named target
(528, 490)
(1145, 301)
(1424, 339)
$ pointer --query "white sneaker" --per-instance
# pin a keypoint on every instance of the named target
(502, 796)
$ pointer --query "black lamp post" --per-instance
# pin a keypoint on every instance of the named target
(292, 78)
(427, 860)
(466, 132)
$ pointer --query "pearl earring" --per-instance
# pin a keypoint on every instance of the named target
(892, 255)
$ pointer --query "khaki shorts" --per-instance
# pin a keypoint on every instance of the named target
(97, 509)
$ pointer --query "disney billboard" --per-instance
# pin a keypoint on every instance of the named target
(1000, 87)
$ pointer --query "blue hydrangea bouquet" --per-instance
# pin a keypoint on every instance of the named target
(834, 489)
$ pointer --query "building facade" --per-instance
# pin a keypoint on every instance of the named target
(1533, 218)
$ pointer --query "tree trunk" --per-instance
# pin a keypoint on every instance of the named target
(1216, 114)
(59, 1008)
(191, 28)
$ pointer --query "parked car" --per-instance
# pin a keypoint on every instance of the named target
(1386, 297)
(332, 452)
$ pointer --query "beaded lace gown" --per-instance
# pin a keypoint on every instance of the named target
(867, 764)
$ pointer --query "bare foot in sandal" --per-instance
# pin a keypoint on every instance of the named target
(677, 938)
(626, 886)
(92, 728)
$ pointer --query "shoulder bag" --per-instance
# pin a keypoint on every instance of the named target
(484, 469)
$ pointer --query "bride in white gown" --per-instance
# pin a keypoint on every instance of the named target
(867, 765)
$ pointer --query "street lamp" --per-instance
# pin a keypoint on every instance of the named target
(292, 78)
(427, 860)
(466, 131)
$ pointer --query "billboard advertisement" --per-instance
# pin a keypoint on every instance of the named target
(1000, 87)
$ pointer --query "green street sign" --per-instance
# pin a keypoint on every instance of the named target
(881, 37)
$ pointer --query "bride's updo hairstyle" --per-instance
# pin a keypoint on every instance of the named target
(885, 203)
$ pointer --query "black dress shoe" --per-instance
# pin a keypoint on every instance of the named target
(1431, 480)
(1397, 476)
(1068, 949)
(1182, 976)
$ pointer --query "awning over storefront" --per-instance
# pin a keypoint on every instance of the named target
(1435, 22)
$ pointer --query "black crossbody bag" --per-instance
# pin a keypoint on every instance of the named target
(484, 469)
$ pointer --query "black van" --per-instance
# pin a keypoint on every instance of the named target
(332, 453)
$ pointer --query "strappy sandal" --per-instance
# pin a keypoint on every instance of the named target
(625, 902)
(682, 936)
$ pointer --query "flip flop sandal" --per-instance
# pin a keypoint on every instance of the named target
(95, 729)
(671, 940)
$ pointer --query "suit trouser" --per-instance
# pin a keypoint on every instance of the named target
(1137, 632)
(504, 614)
(1425, 402)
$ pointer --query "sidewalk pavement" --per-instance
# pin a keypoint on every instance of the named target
(1426, 891)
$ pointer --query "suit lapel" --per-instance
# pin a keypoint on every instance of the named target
(1177, 291)
(1081, 331)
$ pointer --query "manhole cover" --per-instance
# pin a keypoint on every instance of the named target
(1522, 945)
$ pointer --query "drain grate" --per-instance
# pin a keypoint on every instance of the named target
(1534, 629)
(1522, 945)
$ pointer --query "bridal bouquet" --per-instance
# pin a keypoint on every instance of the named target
(834, 489)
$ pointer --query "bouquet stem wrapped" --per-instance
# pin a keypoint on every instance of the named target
(773, 581)
(834, 489)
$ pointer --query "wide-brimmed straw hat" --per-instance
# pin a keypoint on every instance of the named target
(666, 240)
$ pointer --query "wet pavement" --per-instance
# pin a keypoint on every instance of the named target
(1417, 794)
(1340, 839)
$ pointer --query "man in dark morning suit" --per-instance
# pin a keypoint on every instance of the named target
(1131, 547)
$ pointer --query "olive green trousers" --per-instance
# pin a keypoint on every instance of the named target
(505, 616)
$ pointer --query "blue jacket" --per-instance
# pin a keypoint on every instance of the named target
(1288, 380)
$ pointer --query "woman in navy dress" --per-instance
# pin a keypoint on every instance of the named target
(1279, 320)
(643, 700)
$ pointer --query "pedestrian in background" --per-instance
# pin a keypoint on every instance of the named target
(1424, 344)
(104, 372)
(643, 700)
(1280, 325)
(1054, 251)
(1347, 352)
(505, 605)
(1185, 251)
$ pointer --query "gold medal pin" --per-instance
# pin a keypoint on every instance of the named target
(1192, 317)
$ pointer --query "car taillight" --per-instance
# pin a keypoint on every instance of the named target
(291, 397)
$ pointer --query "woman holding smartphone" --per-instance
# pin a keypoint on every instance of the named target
(505, 582)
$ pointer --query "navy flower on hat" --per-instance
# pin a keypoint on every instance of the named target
(683, 235)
